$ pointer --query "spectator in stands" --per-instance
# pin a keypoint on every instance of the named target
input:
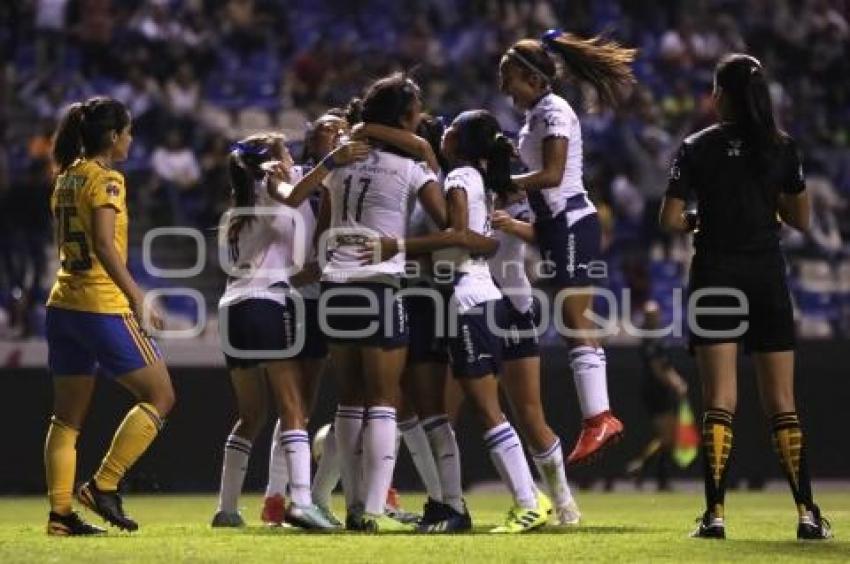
(155, 24)
(183, 92)
(50, 25)
(142, 96)
(215, 180)
(93, 23)
(41, 143)
(177, 174)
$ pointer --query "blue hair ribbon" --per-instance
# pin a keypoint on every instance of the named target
(550, 36)
(245, 148)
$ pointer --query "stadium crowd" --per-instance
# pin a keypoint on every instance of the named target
(198, 73)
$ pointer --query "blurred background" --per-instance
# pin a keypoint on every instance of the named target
(197, 74)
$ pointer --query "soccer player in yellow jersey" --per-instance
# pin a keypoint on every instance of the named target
(94, 316)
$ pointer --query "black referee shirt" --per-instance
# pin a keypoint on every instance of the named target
(737, 199)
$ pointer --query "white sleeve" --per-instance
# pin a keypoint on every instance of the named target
(556, 121)
(420, 175)
(460, 178)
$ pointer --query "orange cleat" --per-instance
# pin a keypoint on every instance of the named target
(597, 433)
(273, 510)
(393, 500)
(392, 508)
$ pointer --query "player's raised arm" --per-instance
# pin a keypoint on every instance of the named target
(341, 156)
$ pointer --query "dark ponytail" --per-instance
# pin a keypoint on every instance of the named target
(431, 129)
(744, 88)
(497, 177)
(85, 129)
(480, 138)
(68, 140)
(602, 63)
(244, 171)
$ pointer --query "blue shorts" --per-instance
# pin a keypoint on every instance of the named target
(476, 351)
(263, 330)
(424, 344)
(523, 339)
(377, 316)
(571, 254)
(80, 341)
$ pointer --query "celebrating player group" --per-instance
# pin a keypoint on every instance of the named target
(394, 251)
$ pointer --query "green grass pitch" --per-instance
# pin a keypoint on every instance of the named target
(624, 527)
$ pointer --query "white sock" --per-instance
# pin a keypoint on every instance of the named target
(237, 451)
(327, 472)
(509, 459)
(447, 457)
(550, 464)
(589, 373)
(296, 446)
(420, 451)
(349, 427)
(378, 456)
(278, 474)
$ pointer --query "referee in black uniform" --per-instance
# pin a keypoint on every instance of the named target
(745, 175)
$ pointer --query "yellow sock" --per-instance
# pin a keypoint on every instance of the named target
(60, 464)
(131, 440)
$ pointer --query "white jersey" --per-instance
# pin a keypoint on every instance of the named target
(265, 256)
(553, 116)
(508, 264)
(369, 199)
(419, 268)
(309, 210)
(474, 284)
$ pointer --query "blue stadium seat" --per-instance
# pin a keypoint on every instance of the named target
(263, 94)
(224, 92)
(821, 305)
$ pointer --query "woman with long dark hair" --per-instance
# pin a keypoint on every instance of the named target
(263, 312)
(565, 224)
(365, 199)
(97, 316)
(479, 155)
(745, 175)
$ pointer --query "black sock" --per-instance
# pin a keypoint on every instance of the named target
(788, 442)
(716, 447)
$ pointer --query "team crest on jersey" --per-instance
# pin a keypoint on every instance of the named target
(112, 189)
(734, 148)
(552, 121)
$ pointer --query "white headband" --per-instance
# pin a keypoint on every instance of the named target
(522, 59)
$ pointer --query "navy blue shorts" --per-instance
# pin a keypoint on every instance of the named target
(477, 350)
(364, 314)
(523, 338)
(571, 255)
(80, 341)
(261, 330)
(425, 345)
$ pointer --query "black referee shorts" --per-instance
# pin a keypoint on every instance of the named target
(763, 299)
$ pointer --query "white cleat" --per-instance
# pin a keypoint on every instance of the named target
(568, 514)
